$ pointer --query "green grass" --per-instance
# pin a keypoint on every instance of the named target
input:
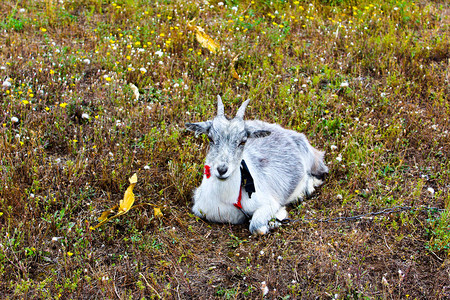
(366, 82)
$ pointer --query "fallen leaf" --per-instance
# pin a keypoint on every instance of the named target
(204, 39)
(128, 198)
(106, 213)
(135, 91)
(157, 212)
(234, 74)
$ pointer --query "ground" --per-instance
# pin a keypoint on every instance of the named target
(94, 91)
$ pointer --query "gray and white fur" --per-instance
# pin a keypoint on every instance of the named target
(283, 164)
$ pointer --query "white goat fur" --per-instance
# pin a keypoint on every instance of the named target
(284, 167)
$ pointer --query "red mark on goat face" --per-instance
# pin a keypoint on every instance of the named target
(207, 171)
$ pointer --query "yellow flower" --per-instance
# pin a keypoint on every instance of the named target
(47, 108)
(25, 102)
(75, 141)
(128, 57)
(108, 78)
(43, 29)
(69, 253)
(52, 72)
(63, 104)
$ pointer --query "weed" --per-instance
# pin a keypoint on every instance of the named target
(366, 82)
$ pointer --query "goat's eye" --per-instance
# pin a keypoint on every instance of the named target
(242, 143)
(210, 140)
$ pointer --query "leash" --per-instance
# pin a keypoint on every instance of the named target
(366, 216)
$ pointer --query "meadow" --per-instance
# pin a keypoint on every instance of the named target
(93, 91)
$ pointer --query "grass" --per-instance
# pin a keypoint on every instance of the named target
(368, 83)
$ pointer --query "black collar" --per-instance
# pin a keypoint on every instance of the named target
(247, 179)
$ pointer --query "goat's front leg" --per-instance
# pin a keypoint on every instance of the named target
(259, 223)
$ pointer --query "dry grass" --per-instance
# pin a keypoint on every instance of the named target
(367, 83)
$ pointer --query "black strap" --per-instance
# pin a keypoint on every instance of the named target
(247, 179)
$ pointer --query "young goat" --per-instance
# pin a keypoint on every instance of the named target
(284, 167)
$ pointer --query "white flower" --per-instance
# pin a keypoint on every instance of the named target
(14, 120)
(220, 4)
(234, 8)
(87, 61)
(344, 84)
(85, 116)
(339, 158)
(7, 82)
(146, 167)
(264, 288)
(143, 70)
(159, 53)
(431, 191)
(333, 147)
(22, 10)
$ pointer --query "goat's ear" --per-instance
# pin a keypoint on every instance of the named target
(258, 133)
(199, 128)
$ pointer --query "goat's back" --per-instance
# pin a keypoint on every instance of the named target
(282, 161)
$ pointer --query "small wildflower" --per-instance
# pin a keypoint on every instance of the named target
(107, 78)
(69, 253)
(264, 288)
(25, 102)
(7, 82)
(14, 119)
(43, 29)
(63, 104)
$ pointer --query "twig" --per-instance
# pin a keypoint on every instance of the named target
(150, 286)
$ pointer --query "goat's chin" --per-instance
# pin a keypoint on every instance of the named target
(222, 178)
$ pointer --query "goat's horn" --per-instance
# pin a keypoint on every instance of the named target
(241, 110)
(220, 109)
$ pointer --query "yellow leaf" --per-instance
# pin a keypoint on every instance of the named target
(157, 212)
(234, 74)
(204, 39)
(128, 198)
(106, 213)
(133, 179)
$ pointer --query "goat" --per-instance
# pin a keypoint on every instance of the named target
(283, 164)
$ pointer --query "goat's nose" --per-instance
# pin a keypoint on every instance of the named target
(222, 169)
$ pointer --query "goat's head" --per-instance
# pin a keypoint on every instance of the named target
(227, 138)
